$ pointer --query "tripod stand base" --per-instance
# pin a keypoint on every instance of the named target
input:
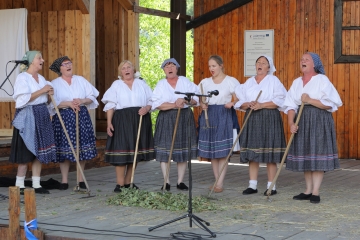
(192, 217)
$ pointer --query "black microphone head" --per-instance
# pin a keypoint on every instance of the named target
(215, 92)
(20, 62)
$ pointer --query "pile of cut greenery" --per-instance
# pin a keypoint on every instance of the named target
(158, 200)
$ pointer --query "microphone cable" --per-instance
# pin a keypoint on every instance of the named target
(7, 79)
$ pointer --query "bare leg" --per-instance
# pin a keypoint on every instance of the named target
(64, 168)
(120, 175)
(163, 166)
(215, 167)
(82, 164)
(317, 178)
(271, 171)
(222, 162)
(181, 167)
(309, 182)
(253, 170)
(128, 173)
(36, 168)
(22, 168)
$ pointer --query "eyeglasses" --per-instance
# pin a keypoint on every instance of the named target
(66, 64)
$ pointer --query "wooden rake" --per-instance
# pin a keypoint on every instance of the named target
(230, 152)
(268, 193)
(171, 148)
(205, 110)
(71, 146)
(136, 152)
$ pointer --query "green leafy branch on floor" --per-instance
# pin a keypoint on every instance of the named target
(158, 200)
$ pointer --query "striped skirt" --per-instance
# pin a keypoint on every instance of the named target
(314, 146)
(165, 124)
(263, 138)
(120, 148)
(217, 140)
(43, 139)
(87, 142)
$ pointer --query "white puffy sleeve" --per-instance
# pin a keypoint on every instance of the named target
(330, 97)
(158, 95)
(279, 94)
(22, 91)
(240, 94)
(110, 97)
(234, 83)
(91, 93)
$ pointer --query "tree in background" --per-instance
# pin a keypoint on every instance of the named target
(154, 43)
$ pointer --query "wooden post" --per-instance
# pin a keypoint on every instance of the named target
(14, 213)
(30, 210)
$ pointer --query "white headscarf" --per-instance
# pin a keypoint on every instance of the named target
(272, 68)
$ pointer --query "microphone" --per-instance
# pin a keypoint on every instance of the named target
(185, 93)
(20, 61)
(215, 92)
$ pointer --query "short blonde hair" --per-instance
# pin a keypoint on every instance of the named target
(122, 64)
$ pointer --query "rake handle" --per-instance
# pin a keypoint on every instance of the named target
(77, 144)
(268, 193)
(136, 152)
(233, 146)
(69, 141)
(171, 148)
(205, 110)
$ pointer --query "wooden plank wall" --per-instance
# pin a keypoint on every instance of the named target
(299, 26)
(51, 29)
(116, 40)
(38, 30)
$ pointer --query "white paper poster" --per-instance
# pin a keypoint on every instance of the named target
(257, 43)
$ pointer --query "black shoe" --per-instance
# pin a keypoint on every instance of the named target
(82, 185)
(41, 190)
(22, 191)
(249, 191)
(167, 188)
(63, 186)
(273, 192)
(117, 188)
(128, 186)
(315, 199)
(182, 186)
(303, 196)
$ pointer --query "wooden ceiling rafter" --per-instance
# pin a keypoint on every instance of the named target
(84, 6)
(216, 13)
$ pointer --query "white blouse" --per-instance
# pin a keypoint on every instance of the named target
(79, 88)
(272, 91)
(24, 86)
(226, 88)
(120, 96)
(319, 87)
(164, 92)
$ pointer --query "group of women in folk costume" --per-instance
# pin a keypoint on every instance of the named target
(36, 138)
(314, 149)
(129, 101)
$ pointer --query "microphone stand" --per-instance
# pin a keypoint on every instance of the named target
(7, 77)
(192, 217)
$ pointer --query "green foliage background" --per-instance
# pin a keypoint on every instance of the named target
(154, 43)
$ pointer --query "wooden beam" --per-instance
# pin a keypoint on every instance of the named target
(127, 4)
(160, 13)
(83, 5)
(215, 13)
